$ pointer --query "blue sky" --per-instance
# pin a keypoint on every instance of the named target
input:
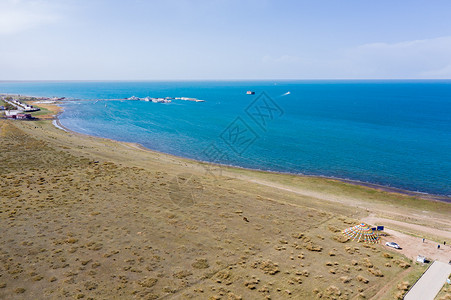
(224, 39)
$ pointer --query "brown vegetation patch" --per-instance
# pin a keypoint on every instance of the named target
(341, 238)
(362, 279)
(376, 272)
(313, 247)
(182, 274)
(201, 264)
(148, 282)
(267, 266)
(251, 284)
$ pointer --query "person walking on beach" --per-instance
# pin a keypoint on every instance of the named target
(438, 246)
(423, 240)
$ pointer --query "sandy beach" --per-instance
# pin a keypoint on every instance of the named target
(91, 218)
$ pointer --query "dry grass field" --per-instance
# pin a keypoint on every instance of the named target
(89, 218)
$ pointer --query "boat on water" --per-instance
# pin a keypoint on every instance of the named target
(250, 93)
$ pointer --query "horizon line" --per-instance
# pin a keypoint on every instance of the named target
(275, 79)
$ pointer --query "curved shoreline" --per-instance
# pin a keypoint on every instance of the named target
(422, 195)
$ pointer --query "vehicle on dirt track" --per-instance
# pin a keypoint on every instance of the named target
(393, 245)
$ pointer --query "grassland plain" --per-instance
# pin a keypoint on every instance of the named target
(91, 218)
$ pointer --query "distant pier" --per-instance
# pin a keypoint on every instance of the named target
(146, 99)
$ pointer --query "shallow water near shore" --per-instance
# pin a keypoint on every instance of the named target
(392, 133)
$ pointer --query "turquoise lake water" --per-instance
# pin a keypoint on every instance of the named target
(392, 133)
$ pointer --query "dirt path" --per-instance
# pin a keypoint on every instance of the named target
(354, 202)
(414, 246)
(381, 221)
(303, 192)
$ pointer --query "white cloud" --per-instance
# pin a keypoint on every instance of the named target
(416, 59)
(442, 73)
(20, 15)
(428, 58)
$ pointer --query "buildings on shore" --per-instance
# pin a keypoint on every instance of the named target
(20, 105)
(21, 108)
(17, 114)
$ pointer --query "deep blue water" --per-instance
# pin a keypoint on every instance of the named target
(393, 133)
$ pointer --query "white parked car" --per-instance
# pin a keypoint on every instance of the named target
(393, 245)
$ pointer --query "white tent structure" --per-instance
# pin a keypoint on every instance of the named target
(362, 233)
